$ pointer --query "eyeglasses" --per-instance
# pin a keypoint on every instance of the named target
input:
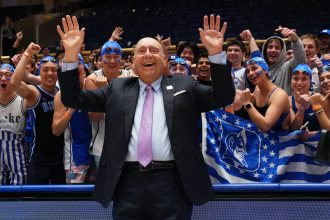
(174, 63)
(48, 59)
(6, 74)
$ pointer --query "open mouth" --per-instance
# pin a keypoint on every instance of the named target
(252, 79)
(3, 85)
(204, 69)
(148, 64)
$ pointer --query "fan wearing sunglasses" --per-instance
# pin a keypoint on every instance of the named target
(13, 162)
(46, 158)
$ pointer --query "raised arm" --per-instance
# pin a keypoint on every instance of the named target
(299, 55)
(71, 93)
(116, 34)
(212, 37)
(72, 38)
(247, 36)
(28, 92)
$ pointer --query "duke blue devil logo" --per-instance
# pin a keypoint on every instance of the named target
(236, 151)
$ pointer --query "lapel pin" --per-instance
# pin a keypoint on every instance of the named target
(169, 87)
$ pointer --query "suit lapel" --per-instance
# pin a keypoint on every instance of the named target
(130, 102)
(168, 89)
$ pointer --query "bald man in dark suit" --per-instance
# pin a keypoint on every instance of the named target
(175, 176)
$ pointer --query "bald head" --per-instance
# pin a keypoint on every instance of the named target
(147, 41)
(149, 60)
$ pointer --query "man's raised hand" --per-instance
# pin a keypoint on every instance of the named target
(72, 38)
(211, 35)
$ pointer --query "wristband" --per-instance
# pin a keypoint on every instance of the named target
(27, 54)
(317, 107)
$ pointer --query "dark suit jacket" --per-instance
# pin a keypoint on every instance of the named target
(119, 100)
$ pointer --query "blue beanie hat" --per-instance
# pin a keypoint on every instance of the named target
(7, 67)
(259, 61)
(111, 47)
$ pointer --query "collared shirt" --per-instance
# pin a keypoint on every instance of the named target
(161, 146)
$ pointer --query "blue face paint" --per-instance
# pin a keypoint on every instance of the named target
(106, 60)
(259, 73)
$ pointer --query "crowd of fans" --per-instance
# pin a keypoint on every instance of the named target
(279, 86)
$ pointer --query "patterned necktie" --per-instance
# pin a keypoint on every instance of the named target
(144, 141)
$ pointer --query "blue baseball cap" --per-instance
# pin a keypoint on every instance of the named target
(324, 32)
(303, 68)
(111, 47)
(7, 67)
(259, 61)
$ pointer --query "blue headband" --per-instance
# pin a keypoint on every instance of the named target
(111, 47)
(7, 67)
(259, 61)
(304, 68)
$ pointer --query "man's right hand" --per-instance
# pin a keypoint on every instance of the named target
(211, 35)
(72, 38)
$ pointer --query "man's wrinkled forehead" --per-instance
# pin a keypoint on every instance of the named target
(148, 41)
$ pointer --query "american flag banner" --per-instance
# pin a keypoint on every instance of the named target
(236, 151)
